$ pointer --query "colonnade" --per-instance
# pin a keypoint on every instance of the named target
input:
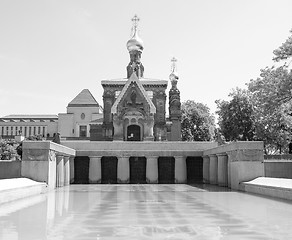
(64, 170)
(216, 169)
(27, 130)
(123, 171)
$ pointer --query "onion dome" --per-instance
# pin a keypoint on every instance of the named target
(135, 43)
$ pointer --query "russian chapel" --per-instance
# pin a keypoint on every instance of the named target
(135, 107)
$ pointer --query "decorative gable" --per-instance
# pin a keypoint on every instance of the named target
(133, 95)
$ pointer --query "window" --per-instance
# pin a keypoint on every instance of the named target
(11, 130)
(43, 131)
(24, 131)
(82, 131)
(39, 131)
(2, 130)
(7, 130)
(34, 130)
(29, 131)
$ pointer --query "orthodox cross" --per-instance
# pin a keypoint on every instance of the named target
(173, 65)
(135, 20)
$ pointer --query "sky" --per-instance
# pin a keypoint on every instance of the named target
(50, 50)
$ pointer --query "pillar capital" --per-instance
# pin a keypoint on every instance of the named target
(221, 154)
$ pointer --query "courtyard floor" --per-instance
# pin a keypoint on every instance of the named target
(145, 212)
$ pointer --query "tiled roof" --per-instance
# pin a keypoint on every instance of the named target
(84, 98)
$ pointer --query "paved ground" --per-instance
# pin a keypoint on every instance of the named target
(109, 212)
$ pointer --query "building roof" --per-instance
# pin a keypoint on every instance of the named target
(84, 99)
(144, 81)
(32, 116)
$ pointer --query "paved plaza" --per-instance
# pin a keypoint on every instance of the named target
(145, 212)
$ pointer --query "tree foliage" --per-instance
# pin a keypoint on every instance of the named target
(8, 150)
(197, 122)
(235, 119)
(284, 51)
(272, 100)
(271, 97)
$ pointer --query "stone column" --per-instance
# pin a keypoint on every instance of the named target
(71, 159)
(206, 169)
(60, 171)
(213, 169)
(222, 169)
(152, 169)
(95, 169)
(123, 170)
(66, 171)
(180, 173)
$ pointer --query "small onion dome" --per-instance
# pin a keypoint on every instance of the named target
(135, 43)
(173, 76)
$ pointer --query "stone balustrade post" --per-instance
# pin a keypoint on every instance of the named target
(206, 169)
(180, 173)
(66, 171)
(213, 175)
(222, 169)
(60, 171)
(123, 170)
(152, 169)
(95, 169)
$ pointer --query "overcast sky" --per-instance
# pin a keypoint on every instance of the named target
(51, 50)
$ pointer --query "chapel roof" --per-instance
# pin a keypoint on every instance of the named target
(84, 99)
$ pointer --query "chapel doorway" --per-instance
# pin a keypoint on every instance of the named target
(133, 133)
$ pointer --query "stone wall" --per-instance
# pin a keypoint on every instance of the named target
(10, 169)
(278, 166)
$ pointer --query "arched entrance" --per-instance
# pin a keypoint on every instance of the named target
(133, 133)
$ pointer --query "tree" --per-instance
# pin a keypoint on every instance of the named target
(272, 100)
(284, 51)
(197, 123)
(271, 97)
(236, 120)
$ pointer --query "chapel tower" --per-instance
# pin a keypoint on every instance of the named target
(134, 108)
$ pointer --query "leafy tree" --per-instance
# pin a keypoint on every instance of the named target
(236, 120)
(272, 100)
(271, 97)
(284, 51)
(197, 122)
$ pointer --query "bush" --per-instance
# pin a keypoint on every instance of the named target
(8, 150)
